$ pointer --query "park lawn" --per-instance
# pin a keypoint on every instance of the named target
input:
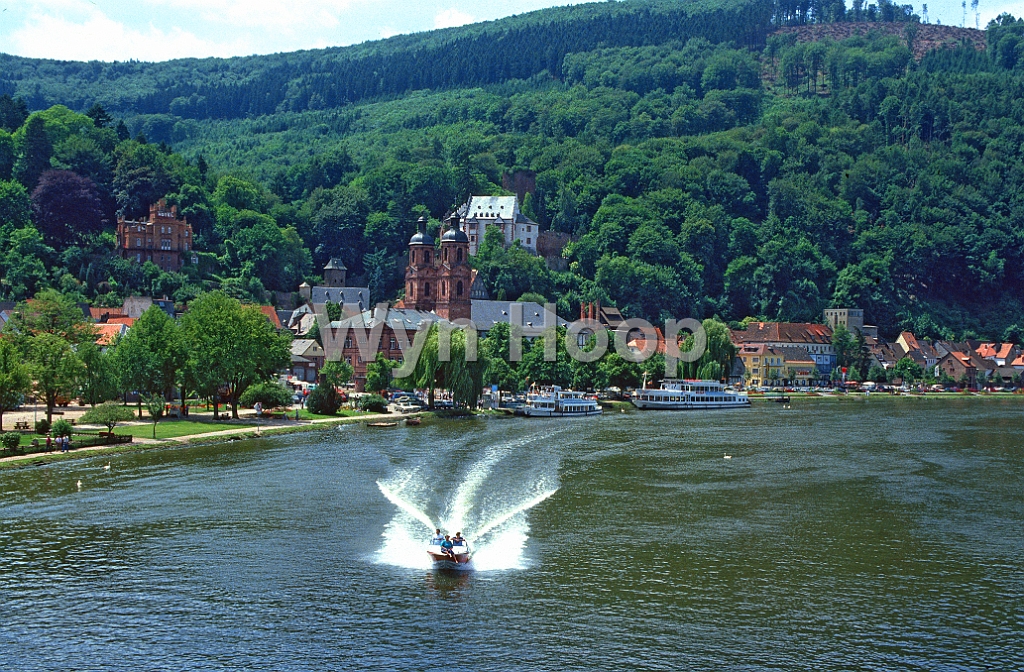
(169, 429)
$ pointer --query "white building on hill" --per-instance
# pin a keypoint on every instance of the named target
(500, 211)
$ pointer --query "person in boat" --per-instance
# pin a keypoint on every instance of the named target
(446, 547)
(458, 539)
(437, 538)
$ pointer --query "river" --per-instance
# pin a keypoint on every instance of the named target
(866, 535)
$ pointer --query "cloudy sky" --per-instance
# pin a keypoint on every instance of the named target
(158, 30)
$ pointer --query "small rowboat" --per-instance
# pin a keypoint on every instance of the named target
(382, 424)
(413, 421)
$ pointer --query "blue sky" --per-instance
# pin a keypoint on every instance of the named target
(158, 30)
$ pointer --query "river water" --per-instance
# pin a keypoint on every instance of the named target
(880, 535)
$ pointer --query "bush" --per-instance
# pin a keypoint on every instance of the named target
(271, 395)
(324, 400)
(10, 441)
(374, 403)
(42, 426)
(108, 414)
(62, 428)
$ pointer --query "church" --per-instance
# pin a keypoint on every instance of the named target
(440, 286)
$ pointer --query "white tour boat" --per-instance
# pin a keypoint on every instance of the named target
(558, 403)
(685, 395)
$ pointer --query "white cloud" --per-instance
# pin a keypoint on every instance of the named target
(452, 18)
(272, 15)
(97, 37)
(388, 31)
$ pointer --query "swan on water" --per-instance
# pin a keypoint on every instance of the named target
(728, 457)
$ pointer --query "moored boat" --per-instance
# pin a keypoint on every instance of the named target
(684, 395)
(555, 402)
(458, 560)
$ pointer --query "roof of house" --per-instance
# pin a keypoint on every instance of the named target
(1018, 362)
(486, 314)
(396, 318)
(996, 350)
(127, 321)
(795, 355)
(306, 347)
(335, 264)
(783, 332)
(271, 314)
(639, 343)
(359, 296)
(106, 333)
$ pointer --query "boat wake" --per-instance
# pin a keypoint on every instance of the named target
(485, 494)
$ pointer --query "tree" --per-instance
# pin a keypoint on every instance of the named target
(268, 394)
(50, 312)
(845, 347)
(34, 153)
(108, 414)
(324, 400)
(462, 378)
(231, 346)
(378, 373)
(15, 379)
(66, 207)
(99, 380)
(155, 405)
(908, 370)
(55, 366)
(150, 358)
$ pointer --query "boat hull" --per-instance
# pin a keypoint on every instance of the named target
(688, 406)
(546, 413)
(442, 561)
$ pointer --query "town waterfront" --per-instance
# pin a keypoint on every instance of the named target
(836, 536)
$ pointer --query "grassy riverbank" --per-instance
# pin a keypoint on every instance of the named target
(171, 433)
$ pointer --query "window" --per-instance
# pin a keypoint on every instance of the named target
(458, 255)
(393, 344)
(165, 244)
(458, 288)
(348, 342)
(426, 257)
(446, 254)
(426, 289)
(138, 242)
(528, 241)
(472, 239)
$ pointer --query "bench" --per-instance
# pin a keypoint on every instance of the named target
(21, 424)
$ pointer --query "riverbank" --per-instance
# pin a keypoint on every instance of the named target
(251, 430)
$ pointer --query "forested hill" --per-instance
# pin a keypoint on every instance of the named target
(514, 48)
(696, 172)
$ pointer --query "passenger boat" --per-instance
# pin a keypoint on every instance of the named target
(555, 402)
(685, 395)
(443, 561)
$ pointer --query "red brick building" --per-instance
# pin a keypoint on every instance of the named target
(163, 238)
(439, 280)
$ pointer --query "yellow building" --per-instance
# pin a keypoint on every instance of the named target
(762, 364)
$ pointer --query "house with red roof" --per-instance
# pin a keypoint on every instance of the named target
(816, 339)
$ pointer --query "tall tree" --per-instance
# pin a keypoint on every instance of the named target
(15, 378)
(33, 154)
(67, 207)
(231, 345)
(55, 366)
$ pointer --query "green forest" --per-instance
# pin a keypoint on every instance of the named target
(704, 162)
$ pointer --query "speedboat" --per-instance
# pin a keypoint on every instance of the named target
(444, 561)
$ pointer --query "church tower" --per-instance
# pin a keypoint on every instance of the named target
(455, 276)
(421, 274)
